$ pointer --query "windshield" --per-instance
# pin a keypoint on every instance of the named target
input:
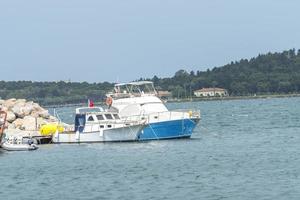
(134, 89)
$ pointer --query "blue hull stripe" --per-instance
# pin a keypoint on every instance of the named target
(169, 129)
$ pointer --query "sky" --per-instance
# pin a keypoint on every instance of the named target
(124, 40)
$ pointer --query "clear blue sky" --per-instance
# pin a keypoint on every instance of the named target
(96, 41)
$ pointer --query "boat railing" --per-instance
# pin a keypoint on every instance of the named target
(179, 114)
(140, 118)
(130, 95)
(192, 112)
(55, 113)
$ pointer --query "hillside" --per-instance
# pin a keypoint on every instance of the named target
(272, 73)
(47, 93)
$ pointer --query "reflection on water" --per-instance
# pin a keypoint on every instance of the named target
(2, 152)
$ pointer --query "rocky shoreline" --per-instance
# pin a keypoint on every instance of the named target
(25, 117)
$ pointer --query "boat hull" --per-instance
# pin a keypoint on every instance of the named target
(123, 134)
(18, 147)
(173, 129)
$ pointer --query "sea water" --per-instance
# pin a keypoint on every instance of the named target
(242, 149)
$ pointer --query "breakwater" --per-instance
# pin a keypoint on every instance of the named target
(25, 117)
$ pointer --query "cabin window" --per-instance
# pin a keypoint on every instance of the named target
(90, 119)
(108, 116)
(108, 126)
(100, 117)
(101, 126)
(116, 116)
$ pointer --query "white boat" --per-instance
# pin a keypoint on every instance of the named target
(93, 124)
(139, 100)
(16, 144)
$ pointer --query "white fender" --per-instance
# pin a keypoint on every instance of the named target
(56, 136)
(101, 133)
(77, 136)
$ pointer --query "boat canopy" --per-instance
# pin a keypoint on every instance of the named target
(139, 88)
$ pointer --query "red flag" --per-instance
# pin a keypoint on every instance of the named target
(91, 103)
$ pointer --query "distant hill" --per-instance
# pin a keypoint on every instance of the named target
(47, 93)
(272, 73)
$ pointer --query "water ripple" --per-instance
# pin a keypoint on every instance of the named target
(243, 149)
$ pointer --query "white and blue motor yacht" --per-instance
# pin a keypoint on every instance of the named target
(139, 100)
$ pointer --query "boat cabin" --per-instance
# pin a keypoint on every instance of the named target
(91, 117)
(136, 98)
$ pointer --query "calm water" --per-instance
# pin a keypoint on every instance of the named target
(243, 149)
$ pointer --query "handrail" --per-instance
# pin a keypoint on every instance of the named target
(137, 119)
(56, 115)
(192, 113)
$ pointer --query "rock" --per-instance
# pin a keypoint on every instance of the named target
(35, 114)
(2, 122)
(6, 124)
(41, 122)
(24, 117)
(29, 123)
(28, 108)
(18, 132)
(9, 103)
(37, 107)
(10, 116)
(18, 123)
(23, 101)
(5, 109)
(52, 119)
(11, 126)
(44, 114)
(18, 109)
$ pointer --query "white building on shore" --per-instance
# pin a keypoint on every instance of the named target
(211, 92)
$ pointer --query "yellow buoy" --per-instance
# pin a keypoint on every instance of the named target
(50, 129)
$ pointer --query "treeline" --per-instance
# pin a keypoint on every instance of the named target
(49, 93)
(272, 73)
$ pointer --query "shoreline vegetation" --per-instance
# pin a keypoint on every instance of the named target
(267, 75)
(193, 99)
(262, 96)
